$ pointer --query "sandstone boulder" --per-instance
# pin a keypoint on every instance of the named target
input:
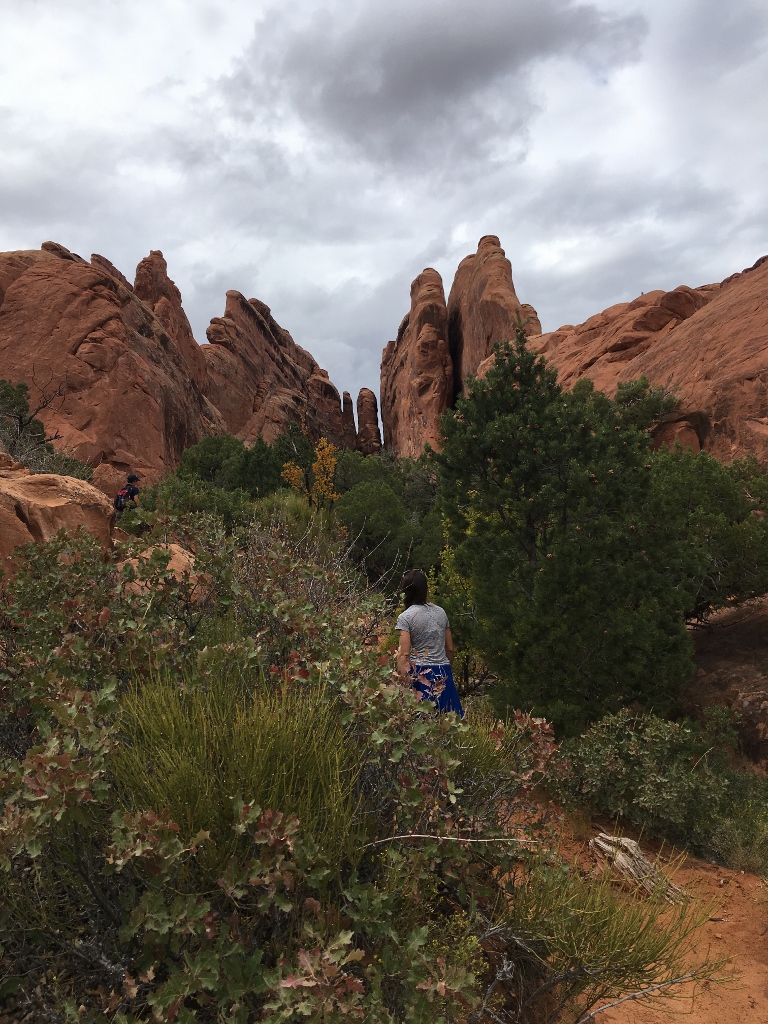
(417, 371)
(368, 435)
(260, 380)
(128, 401)
(707, 345)
(34, 507)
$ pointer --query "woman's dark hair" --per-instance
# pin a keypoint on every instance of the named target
(414, 586)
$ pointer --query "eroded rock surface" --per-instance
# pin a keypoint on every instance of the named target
(439, 345)
(261, 380)
(708, 345)
(135, 387)
(368, 435)
(158, 292)
(129, 399)
(34, 507)
(417, 371)
(483, 308)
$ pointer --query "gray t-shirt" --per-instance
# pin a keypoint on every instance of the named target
(427, 624)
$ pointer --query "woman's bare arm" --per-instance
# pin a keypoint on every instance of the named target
(403, 654)
(449, 645)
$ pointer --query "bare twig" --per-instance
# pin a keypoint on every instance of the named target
(693, 976)
(452, 839)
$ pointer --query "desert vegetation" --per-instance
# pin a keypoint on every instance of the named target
(220, 805)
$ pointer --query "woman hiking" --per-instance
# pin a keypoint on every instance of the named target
(426, 646)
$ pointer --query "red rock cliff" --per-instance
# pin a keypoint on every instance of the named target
(483, 308)
(130, 401)
(437, 347)
(417, 371)
(708, 345)
(157, 291)
(368, 436)
(261, 380)
(136, 387)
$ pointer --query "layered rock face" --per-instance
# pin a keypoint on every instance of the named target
(417, 371)
(261, 380)
(135, 388)
(707, 345)
(438, 346)
(129, 400)
(34, 507)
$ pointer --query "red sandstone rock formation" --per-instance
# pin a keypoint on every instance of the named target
(483, 308)
(130, 401)
(158, 292)
(34, 507)
(136, 385)
(417, 372)
(708, 345)
(261, 380)
(104, 264)
(420, 376)
(368, 436)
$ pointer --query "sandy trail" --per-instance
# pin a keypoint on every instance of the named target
(741, 934)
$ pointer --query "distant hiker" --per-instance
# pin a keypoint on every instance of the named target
(128, 493)
(426, 646)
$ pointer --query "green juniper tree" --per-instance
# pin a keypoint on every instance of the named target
(546, 496)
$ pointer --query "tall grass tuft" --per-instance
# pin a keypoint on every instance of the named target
(194, 745)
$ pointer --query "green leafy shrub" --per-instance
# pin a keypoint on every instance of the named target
(671, 779)
(661, 776)
(184, 496)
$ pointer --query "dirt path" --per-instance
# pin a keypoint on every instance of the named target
(741, 933)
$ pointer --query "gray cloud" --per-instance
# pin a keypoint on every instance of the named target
(318, 156)
(421, 83)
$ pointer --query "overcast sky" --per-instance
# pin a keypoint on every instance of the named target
(319, 155)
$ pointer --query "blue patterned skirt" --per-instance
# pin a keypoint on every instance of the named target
(435, 683)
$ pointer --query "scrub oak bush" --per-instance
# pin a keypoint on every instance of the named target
(218, 806)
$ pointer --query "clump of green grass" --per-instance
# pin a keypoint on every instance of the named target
(194, 745)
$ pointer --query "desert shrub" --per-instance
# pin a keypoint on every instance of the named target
(598, 940)
(190, 495)
(659, 775)
(139, 706)
(674, 780)
(196, 748)
(740, 838)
